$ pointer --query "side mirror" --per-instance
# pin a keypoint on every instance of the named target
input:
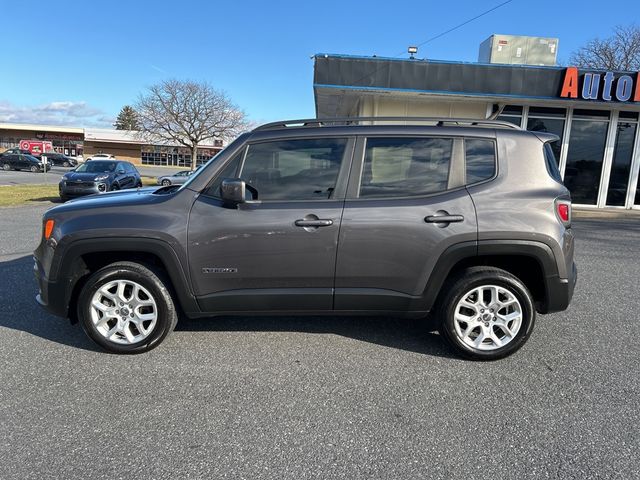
(234, 191)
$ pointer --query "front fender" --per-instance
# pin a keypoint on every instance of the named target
(69, 268)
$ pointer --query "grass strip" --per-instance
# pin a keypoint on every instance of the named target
(12, 195)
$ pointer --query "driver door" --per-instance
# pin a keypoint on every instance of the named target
(279, 254)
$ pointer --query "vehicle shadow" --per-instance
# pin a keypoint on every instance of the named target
(398, 333)
(21, 312)
(46, 199)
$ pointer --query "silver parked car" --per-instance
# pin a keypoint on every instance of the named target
(175, 179)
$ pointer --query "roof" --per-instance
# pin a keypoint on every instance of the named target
(45, 128)
(340, 79)
(113, 136)
(107, 135)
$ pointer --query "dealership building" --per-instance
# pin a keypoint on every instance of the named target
(594, 113)
(124, 144)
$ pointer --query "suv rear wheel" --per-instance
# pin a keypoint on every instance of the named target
(487, 313)
(126, 307)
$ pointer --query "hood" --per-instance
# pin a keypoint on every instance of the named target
(84, 176)
(124, 198)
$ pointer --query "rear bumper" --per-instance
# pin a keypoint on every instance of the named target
(560, 291)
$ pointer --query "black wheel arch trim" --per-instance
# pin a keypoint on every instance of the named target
(67, 266)
(539, 251)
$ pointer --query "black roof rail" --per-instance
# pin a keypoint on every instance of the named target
(438, 121)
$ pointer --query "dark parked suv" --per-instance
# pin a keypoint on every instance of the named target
(58, 159)
(98, 176)
(458, 222)
(21, 161)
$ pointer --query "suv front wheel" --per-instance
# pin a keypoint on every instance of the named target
(126, 307)
(487, 313)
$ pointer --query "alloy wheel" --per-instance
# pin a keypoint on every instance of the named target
(488, 317)
(123, 312)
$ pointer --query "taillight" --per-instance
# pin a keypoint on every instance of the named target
(563, 211)
(48, 229)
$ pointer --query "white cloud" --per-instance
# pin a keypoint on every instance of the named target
(73, 114)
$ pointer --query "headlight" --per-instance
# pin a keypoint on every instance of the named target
(101, 177)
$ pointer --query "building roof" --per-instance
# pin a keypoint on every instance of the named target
(106, 135)
(340, 79)
(113, 136)
(44, 128)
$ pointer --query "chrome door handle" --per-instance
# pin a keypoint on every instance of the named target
(443, 218)
(314, 223)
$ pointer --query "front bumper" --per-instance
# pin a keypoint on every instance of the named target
(52, 296)
(78, 189)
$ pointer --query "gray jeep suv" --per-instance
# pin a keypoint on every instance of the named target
(463, 224)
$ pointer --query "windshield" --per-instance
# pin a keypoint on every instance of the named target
(201, 168)
(97, 167)
(232, 146)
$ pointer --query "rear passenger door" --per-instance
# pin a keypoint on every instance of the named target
(22, 162)
(406, 204)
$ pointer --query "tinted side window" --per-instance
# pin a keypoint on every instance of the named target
(480, 159)
(305, 169)
(229, 171)
(401, 167)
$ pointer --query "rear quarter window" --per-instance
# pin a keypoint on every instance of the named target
(480, 158)
(552, 163)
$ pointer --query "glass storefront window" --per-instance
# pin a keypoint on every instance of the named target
(511, 114)
(173, 156)
(551, 120)
(621, 167)
(547, 112)
(585, 156)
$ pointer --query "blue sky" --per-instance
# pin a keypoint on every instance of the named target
(89, 58)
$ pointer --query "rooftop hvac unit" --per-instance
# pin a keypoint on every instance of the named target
(519, 50)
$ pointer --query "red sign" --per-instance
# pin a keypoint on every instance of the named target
(36, 147)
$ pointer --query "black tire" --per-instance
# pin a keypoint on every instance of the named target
(472, 278)
(6, 167)
(66, 164)
(115, 187)
(166, 183)
(139, 184)
(34, 169)
(151, 279)
(63, 198)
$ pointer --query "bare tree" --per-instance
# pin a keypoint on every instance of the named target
(621, 51)
(188, 113)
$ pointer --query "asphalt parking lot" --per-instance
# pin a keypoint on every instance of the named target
(325, 397)
(52, 176)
